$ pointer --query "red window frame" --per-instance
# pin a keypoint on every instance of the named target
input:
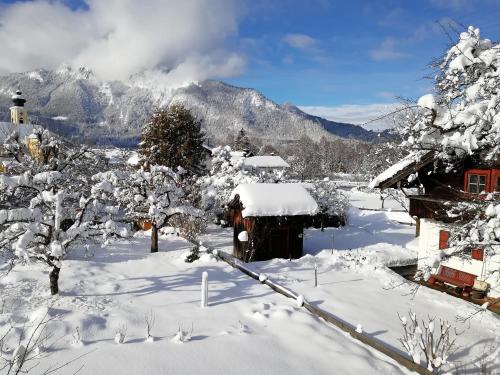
(478, 172)
(495, 181)
(444, 236)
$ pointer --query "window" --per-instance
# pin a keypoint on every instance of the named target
(476, 183)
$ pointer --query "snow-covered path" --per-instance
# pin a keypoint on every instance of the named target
(247, 328)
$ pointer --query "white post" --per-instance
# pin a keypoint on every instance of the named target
(315, 275)
(204, 289)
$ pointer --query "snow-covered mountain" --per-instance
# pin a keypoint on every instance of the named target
(73, 102)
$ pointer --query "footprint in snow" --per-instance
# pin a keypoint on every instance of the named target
(257, 315)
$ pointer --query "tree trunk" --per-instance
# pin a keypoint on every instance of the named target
(54, 280)
(154, 239)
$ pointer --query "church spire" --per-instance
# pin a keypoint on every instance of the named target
(18, 114)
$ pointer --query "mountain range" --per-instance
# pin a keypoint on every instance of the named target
(74, 103)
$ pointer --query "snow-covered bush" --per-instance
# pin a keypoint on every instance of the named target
(182, 335)
(121, 334)
(331, 201)
(22, 344)
(434, 340)
(149, 320)
(77, 337)
(193, 255)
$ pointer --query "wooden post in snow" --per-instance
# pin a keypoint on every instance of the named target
(204, 289)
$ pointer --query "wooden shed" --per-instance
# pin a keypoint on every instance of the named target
(268, 220)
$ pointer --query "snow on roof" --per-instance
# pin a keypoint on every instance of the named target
(403, 166)
(265, 161)
(24, 130)
(236, 156)
(275, 200)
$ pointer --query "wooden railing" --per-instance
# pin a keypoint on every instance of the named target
(426, 207)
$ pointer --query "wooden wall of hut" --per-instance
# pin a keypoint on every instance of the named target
(268, 237)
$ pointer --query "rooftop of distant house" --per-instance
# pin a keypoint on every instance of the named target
(265, 161)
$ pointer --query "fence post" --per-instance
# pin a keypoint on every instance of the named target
(204, 289)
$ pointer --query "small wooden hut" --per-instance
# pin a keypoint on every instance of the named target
(268, 220)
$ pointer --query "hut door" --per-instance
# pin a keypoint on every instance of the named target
(279, 244)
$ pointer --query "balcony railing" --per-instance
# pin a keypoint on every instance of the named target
(424, 206)
(428, 207)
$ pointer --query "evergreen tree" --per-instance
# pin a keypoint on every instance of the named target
(173, 138)
(242, 142)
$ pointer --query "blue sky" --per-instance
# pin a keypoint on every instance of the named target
(331, 57)
(359, 52)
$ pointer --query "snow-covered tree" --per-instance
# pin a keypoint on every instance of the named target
(154, 194)
(381, 156)
(242, 142)
(173, 138)
(223, 177)
(460, 120)
(305, 160)
(44, 205)
(462, 117)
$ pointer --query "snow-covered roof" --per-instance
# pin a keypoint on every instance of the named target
(236, 156)
(408, 165)
(275, 200)
(265, 161)
(7, 128)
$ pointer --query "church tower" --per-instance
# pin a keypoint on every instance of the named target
(18, 114)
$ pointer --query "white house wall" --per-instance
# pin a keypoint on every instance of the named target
(428, 244)
(429, 254)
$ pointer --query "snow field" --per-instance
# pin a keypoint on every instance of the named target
(122, 283)
(113, 290)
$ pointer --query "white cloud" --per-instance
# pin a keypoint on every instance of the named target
(387, 95)
(308, 45)
(118, 38)
(387, 50)
(356, 114)
(300, 41)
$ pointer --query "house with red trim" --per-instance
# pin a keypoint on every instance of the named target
(438, 189)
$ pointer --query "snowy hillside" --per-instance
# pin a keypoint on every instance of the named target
(75, 103)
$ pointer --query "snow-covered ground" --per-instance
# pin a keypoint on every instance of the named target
(247, 328)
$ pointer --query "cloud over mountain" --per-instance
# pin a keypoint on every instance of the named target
(118, 38)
